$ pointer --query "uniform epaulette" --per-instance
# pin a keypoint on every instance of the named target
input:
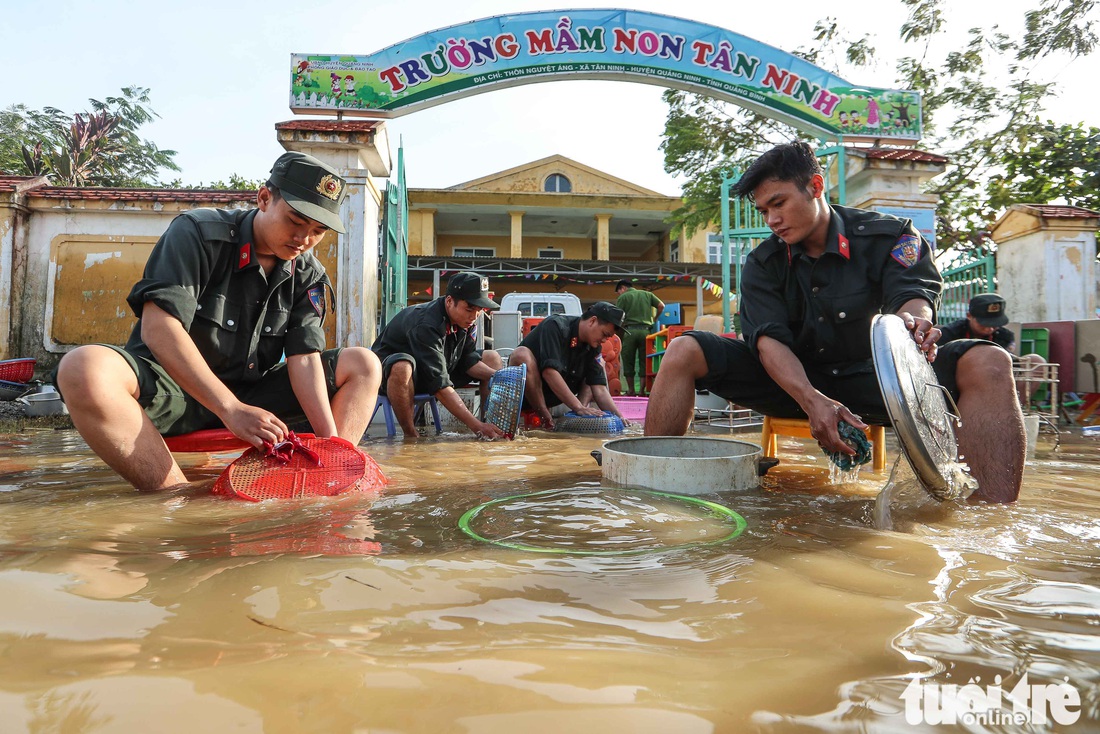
(862, 221)
(769, 247)
(892, 227)
(214, 226)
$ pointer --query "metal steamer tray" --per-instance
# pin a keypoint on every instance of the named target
(918, 408)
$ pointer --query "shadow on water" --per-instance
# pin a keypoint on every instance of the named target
(377, 611)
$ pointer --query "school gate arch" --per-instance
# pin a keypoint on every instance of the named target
(504, 51)
(617, 45)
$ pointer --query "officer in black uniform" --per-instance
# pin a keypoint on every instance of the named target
(985, 319)
(985, 322)
(564, 362)
(224, 296)
(809, 293)
(430, 349)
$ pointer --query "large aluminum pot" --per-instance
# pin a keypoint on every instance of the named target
(683, 465)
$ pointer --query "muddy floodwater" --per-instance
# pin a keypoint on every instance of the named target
(122, 612)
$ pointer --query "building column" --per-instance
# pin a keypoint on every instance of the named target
(517, 234)
(427, 232)
(603, 237)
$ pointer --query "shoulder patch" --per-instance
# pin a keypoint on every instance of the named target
(317, 299)
(907, 250)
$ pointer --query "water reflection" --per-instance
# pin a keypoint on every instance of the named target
(377, 612)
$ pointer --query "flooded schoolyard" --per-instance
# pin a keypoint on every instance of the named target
(376, 613)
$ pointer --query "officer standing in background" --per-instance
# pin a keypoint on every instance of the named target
(641, 308)
(224, 295)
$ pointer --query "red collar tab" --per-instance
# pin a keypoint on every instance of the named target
(244, 259)
(789, 258)
(842, 247)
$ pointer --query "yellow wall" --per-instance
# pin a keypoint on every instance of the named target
(94, 274)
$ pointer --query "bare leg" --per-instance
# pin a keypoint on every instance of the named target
(533, 388)
(358, 375)
(101, 391)
(400, 391)
(991, 438)
(672, 400)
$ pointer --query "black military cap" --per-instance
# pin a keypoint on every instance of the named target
(605, 311)
(472, 288)
(310, 188)
(988, 309)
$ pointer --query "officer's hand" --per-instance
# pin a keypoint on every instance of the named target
(588, 410)
(489, 431)
(254, 425)
(924, 333)
(547, 419)
(824, 415)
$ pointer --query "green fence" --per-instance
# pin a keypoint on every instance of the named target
(395, 246)
(966, 275)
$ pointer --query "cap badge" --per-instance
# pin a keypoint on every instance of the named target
(329, 186)
(993, 308)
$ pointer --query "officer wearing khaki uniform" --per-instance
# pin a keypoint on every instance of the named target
(225, 294)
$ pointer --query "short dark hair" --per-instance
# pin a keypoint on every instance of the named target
(621, 283)
(788, 162)
(275, 195)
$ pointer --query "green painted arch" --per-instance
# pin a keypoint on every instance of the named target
(617, 45)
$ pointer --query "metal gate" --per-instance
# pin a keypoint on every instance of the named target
(395, 244)
(968, 274)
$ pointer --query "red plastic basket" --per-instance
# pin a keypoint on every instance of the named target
(17, 370)
(340, 467)
(211, 440)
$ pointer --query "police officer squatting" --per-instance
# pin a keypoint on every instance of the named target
(808, 295)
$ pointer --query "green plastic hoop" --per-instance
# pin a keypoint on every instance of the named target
(739, 526)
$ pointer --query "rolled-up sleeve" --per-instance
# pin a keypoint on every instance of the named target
(179, 263)
(305, 332)
(764, 308)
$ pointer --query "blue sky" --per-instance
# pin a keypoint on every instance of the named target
(218, 75)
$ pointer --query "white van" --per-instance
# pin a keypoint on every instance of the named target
(541, 304)
(515, 307)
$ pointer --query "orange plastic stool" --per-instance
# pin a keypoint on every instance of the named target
(800, 428)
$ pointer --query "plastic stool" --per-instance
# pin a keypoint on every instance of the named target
(418, 408)
(800, 428)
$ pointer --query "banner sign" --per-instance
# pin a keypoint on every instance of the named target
(619, 45)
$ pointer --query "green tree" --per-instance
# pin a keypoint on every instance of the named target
(236, 182)
(99, 147)
(1060, 162)
(981, 123)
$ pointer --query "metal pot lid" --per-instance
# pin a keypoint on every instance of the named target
(917, 405)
